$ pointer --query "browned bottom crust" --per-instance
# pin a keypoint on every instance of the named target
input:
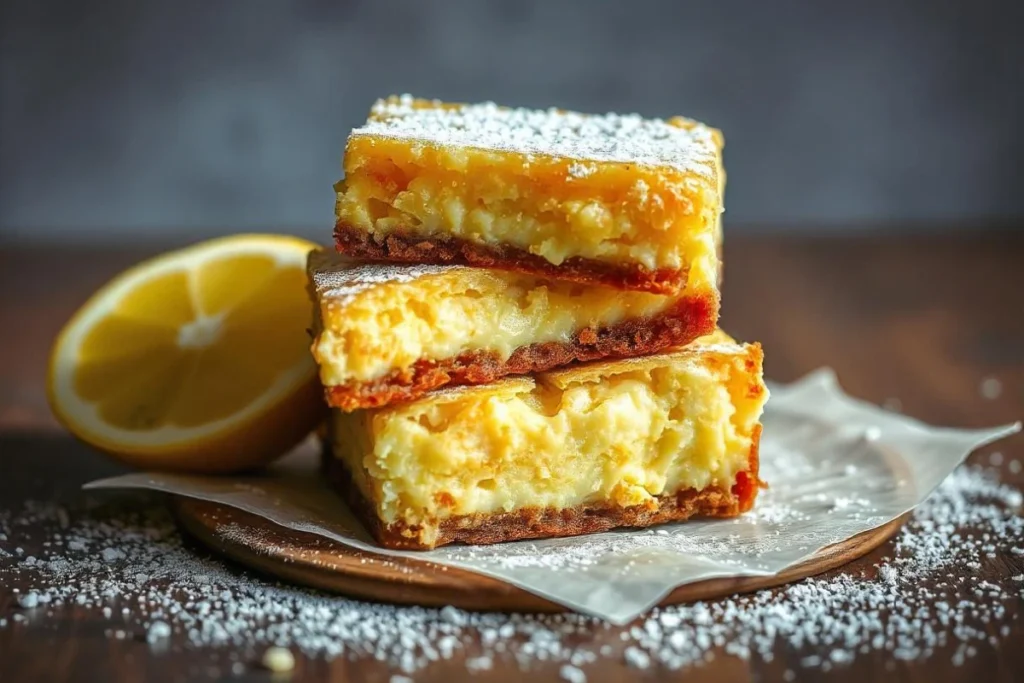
(534, 523)
(692, 317)
(406, 247)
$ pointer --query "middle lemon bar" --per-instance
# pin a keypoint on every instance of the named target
(387, 333)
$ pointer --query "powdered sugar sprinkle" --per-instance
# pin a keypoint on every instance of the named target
(338, 278)
(917, 601)
(619, 138)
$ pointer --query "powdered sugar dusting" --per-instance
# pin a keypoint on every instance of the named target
(616, 138)
(919, 600)
(338, 277)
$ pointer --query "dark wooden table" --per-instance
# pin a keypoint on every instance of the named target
(921, 319)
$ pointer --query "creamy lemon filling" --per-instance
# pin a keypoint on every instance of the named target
(624, 432)
(390, 326)
(588, 228)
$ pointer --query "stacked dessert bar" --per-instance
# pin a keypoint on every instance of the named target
(518, 332)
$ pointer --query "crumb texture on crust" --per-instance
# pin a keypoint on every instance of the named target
(406, 247)
(617, 433)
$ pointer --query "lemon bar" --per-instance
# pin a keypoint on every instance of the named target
(391, 332)
(619, 199)
(584, 449)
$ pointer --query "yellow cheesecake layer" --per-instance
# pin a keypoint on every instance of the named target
(614, 189)
(374, 320)
(622, 432)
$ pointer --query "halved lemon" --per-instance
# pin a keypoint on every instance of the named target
(197, 360)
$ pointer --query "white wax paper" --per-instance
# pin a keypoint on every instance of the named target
(835, 467)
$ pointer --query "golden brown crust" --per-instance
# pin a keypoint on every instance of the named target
(405, 247)
(534, 523)
(691, 318)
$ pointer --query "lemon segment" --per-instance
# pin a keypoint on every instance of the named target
(217, 287)
(197, 360)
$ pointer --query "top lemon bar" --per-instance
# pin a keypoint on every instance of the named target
(618, 199)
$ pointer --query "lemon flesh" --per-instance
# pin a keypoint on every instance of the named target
(196, 360)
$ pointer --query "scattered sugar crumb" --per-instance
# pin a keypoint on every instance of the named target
(637, 658)
(483, 663)
(572, 674)
(111, 555)
(158, 631)
(105, 560)
(29, 600)
(995, 459)
(278, 660)
(893, 404)
(991, 388)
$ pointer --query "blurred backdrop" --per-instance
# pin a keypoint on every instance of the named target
(157, 120)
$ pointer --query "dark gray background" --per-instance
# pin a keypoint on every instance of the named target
(146, 118)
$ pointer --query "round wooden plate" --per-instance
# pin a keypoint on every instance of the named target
(321, 563)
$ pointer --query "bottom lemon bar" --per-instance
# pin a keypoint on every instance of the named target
(626, 443)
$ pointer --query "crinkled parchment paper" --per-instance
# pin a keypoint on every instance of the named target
(835, 466)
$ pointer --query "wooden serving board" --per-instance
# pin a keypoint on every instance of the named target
(318, 562)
